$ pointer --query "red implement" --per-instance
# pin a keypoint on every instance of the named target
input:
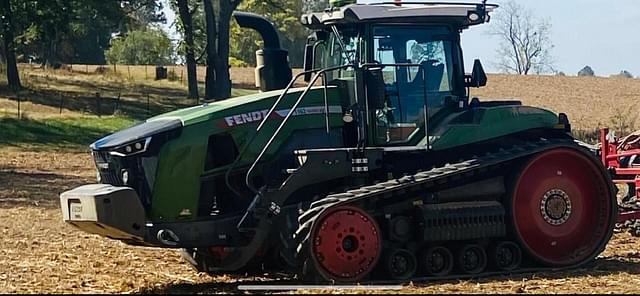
(627, 172)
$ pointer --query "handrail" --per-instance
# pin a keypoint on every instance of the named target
(284, 121)
(264, 119)
(318, 73)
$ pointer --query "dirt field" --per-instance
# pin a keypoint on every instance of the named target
(39, 253)
(590, 102)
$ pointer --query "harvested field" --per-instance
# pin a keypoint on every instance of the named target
(41, 254)
(590, 102)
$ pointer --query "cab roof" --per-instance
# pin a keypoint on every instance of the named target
(461, 15)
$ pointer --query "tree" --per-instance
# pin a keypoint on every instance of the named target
(187, 27)
(586, 71)
(525, 42)
(13, 78)
(65, 31)
(141, 13)
(218, 18)
(625, 74)
(141, 47)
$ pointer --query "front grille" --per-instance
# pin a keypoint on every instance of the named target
(110, 169)
(107, 168)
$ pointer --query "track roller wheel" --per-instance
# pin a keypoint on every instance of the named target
(436, 261)
(400, 264)
(505, 256)
(472, 259)
(563, 207)
(345, 244)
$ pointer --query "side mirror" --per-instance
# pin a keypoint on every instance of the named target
(478, 77)
(374, 86)
(308, 61)
(309, 52)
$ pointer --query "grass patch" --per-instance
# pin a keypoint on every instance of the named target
(58, 133)
(237, 92)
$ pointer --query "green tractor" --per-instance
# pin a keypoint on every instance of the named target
(382, 168)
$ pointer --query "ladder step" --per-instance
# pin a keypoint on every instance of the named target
(291, 171)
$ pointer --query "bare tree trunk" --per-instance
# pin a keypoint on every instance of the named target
(210, 79)
(185, 16)
(218, 82)
(13, 78)
(223, 80)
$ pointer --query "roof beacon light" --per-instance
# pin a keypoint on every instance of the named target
(474, 17)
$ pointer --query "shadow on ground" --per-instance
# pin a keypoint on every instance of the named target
(56, 132)
(136, 101)
(41, 189)
(599, 267)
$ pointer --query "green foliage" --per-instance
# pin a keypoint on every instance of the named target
(141, 47)
(586, 71)
(624, 120)
(234, 62)
(285, 14)
(76, 31)
(623, 74)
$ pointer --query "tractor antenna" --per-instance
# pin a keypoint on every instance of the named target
(483, 11)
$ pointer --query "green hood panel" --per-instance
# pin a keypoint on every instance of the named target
(248, 103)
(480, 124)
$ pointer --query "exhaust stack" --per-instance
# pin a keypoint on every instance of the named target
(272, 62)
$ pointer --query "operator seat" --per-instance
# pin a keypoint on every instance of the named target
(434, 70)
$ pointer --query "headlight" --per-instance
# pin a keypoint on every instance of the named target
(132, 148)
(125, 177)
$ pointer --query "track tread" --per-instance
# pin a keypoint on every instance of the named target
(437, 175)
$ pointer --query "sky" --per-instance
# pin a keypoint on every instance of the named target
(604, 34)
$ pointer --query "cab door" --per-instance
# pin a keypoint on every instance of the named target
(410, 93)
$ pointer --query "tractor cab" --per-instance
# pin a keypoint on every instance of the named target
(401, 65)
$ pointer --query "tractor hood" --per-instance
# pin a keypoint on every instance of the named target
(137, 132)
(206, 111)
(222, 113)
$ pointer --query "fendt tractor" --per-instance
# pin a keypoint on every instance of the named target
(382, 169)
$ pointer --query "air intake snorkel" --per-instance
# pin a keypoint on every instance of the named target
(272, 62)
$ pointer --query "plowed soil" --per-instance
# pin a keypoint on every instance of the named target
(41, 254)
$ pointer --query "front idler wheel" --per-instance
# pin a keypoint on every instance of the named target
(345, 244)
(472, 259)
(400, 264)
(437, 261)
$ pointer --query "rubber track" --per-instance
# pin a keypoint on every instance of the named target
(426, 179)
